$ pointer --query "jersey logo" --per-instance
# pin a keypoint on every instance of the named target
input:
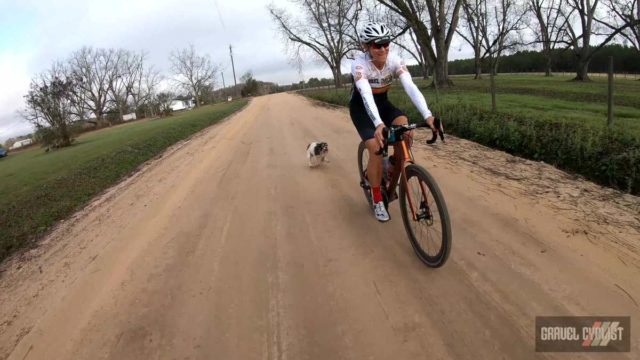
(358, 76)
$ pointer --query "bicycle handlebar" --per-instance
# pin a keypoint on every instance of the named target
(394, 132)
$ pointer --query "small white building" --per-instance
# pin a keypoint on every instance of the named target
(21, 143)
(129, 117)
(177, 105)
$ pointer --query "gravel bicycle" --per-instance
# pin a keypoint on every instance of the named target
(424, 211)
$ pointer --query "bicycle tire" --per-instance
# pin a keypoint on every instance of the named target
(367, 189)
(442, 255)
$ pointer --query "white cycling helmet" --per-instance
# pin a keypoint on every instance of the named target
(377, 32)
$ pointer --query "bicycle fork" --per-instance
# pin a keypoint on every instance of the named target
(422, 211)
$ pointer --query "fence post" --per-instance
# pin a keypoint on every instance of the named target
(492, 83)
(610, 94)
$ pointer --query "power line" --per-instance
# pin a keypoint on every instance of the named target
(219, 14)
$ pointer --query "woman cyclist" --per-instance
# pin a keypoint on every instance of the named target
(373, 72)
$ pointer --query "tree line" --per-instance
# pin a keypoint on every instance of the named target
(626, 60)
(326, 30)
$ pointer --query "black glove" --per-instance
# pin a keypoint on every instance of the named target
(439, 129)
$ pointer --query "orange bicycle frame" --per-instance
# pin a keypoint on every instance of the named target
(407, 157)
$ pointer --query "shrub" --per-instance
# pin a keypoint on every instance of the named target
(610, 157)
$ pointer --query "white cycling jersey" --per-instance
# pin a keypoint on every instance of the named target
(379, 80)
(370, 80)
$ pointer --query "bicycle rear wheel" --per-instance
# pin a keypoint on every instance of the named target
(430, 233)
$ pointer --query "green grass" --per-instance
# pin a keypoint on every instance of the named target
(38, 188)
(552, 108)
(626, 91)
(563, 130)
(554, 98)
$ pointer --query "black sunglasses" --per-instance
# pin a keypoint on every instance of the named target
(380, 46)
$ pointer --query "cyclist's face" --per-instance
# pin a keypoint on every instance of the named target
(379, 53)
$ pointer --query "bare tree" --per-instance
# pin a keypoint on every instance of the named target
(634, 36)
(50, 104)
(162, 102)
(404, 37)
(551, 27)
(578, 37)
(144, 88)
(193, 72)
(443, 21)
(500, 26)
(626, 11)
(95, 68)
(500, 29)
(409, 43)
(474, 19)
(133, 85)
(120, 81)
(327, 30)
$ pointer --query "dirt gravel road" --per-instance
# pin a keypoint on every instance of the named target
(230, 247)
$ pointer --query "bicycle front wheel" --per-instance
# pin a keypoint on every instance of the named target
(425, 216)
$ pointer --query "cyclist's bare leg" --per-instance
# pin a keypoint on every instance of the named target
(397, 148)
(374, 168)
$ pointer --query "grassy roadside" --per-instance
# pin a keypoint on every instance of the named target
(571, 135)
(38, 189)
(550, 108)
(625, 91)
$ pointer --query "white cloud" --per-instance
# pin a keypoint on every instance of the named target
(15, 78)
(54, 29)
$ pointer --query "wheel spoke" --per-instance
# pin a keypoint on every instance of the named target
(428, 237)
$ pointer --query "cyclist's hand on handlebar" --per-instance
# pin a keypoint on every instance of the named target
(379, 136)
(436, 128)
(430, 122)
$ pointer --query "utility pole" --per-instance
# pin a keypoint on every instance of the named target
(233, 66)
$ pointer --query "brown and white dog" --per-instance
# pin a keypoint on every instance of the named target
(317, 153)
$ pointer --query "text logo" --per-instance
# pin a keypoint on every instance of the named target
(583, 333)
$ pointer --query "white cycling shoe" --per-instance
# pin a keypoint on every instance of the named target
(380, 212)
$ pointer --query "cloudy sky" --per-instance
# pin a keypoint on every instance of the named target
(34, 33)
